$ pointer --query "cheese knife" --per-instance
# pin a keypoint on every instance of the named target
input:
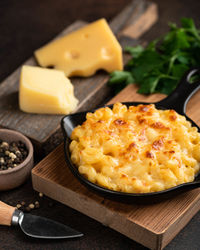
(35, 226)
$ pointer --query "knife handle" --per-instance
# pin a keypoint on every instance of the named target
(6, 213)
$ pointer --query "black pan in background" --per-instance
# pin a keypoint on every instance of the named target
(177, 100)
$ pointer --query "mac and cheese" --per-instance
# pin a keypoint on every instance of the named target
(137, 149)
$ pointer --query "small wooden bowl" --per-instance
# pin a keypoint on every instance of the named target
(12, 178)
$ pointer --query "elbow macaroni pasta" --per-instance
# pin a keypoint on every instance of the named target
(137, 149)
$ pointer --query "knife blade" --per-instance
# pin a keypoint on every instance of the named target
(35, 226)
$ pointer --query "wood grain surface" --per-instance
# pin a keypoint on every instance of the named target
(42, 129)
(151, 225)
(6, 213)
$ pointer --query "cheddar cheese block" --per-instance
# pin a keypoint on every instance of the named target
(45, 91)
(83, 52)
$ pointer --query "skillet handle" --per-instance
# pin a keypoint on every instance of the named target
(179, 98)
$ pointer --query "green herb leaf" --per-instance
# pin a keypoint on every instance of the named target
(166, 86)
(121, 76)
(149, 85)
(179, 70)
(188, 23)
(183, 58)
(134, 51)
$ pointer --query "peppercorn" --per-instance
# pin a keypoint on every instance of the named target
(18, 205)
(32, 206)
(41, 194)
(37, 204)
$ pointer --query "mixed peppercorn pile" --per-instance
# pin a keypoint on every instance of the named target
(12, 154)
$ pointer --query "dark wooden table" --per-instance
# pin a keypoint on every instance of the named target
(25, 26)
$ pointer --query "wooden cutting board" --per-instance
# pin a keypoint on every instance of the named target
(154, 226)
(43, 130)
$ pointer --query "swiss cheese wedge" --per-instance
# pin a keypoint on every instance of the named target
(83, 52)
(45, 91)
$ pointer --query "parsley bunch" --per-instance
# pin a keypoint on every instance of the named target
(160, 66)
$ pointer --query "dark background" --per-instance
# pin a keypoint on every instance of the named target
(24, 27)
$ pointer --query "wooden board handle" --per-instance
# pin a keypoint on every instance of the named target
(6, 213)
(147, 16)
(135, 19)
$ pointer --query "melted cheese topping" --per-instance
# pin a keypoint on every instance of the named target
(137, 149)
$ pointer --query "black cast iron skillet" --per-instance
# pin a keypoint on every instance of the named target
(177, 100)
